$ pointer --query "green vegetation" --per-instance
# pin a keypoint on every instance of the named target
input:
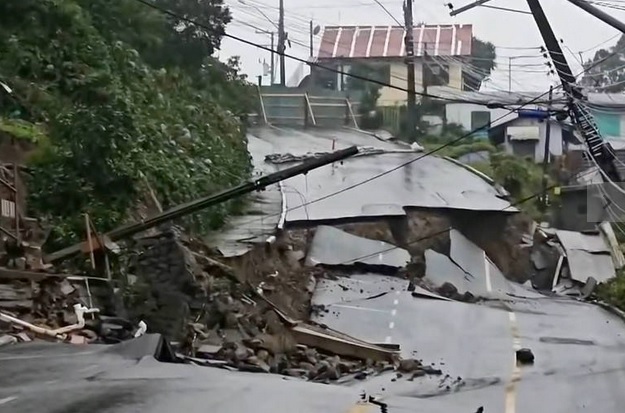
(482, 61)
(23, 130)
(605, 72)
(124, 92)
(613, 291)
(521, 177)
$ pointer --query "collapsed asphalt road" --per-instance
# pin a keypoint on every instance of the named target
(578, 347)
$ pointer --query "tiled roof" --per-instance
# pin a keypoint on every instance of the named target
(357, 42)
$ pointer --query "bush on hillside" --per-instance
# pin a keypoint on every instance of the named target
(116, 114)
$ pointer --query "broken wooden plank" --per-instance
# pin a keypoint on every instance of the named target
(340, 344)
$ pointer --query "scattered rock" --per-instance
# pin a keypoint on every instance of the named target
(525, 356)
(409, 365)
(6, 339)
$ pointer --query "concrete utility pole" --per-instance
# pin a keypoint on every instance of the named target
(282, 44)
(311, 37)
(425, 69)
(547, 154)
(509, 75)
(272, 69)
(411, 107)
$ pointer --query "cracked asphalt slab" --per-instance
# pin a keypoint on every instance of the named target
(59, 378)
(579, 349)
(432, 182)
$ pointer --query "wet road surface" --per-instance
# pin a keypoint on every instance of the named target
(579, 348)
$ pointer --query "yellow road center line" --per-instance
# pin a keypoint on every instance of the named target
(360, 408)
(511, 387)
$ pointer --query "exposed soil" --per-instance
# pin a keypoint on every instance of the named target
(500, 237)
(277, 269)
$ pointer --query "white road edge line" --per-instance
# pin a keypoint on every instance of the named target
(489, 285)
(360, 308)
(7, 400)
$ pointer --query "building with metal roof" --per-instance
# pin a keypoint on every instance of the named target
(439, 50)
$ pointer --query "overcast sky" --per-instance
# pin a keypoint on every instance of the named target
(514, 34)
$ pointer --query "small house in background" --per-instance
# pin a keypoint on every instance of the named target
(526, 135)
(472, 110)
(439, 50)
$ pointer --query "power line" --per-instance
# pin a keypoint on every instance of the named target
(446, 230)
(453, 142)
(379, 175)
(310, 63)
(388, 12)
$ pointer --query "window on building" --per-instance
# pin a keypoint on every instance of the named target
(480, 119)
(435, 73)
(524, 148)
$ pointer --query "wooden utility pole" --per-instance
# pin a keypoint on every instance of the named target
(282, 44)
(411, 107)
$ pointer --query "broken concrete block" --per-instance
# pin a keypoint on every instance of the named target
(6, 339)
(525, 356)
(408, 365)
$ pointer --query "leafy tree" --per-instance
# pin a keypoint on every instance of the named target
(608, 75)
(370, 117)
(483, 56)
(187, 45)
(114, 115)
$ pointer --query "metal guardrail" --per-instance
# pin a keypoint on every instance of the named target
(262, 105)
(306, 110)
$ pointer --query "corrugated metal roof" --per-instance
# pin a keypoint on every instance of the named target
(576, 240)
(357, 42)
(588, 256)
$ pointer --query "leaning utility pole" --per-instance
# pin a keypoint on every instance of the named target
(178, 211)
(282, 44)
(411, 107)
(600, 14)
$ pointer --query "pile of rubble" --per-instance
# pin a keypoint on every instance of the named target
(260, 355)
(250, 315)
(59, 308)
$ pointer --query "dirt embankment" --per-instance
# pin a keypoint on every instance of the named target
(499, 235)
